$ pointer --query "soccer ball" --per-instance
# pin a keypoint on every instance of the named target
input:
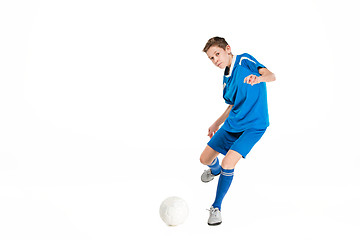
(174, 211)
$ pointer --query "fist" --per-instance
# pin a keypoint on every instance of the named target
(252, 79)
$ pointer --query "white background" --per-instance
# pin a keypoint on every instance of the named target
(105, 106)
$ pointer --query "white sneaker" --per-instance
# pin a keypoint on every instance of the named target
(207, 176)
(215, 217)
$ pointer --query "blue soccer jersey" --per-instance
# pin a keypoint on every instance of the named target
(250, 109)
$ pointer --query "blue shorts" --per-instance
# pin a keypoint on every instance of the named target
(241, 142)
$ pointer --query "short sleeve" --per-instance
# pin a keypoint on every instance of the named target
(248, 61)
(228, 102)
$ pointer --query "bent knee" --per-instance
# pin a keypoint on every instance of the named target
(206, 160)
(203, 159)
(208, 155)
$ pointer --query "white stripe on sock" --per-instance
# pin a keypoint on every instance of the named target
(227, 174)
(214, 162)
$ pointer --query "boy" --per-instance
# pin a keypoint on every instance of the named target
(244, 121)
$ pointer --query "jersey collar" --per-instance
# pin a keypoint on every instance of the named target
(228, 71)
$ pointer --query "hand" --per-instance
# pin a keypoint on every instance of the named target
(252, 79)
(212, 130)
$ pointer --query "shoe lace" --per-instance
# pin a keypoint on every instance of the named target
(212, 210)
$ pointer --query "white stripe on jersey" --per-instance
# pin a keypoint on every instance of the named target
(246, 58)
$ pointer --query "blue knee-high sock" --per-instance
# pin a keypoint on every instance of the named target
(215, 167)
(224, 183)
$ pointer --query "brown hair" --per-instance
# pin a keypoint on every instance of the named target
(218, 41)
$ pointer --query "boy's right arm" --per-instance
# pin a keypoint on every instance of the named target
(215, 126)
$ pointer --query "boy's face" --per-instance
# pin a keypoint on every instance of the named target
(220, 57)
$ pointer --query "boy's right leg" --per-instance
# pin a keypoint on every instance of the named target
(209, 158)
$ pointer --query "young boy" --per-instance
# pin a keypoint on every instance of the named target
(244, 120)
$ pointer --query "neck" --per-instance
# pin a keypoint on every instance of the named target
(230, 60)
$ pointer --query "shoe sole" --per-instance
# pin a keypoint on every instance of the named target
(207, 181)
(214, 224)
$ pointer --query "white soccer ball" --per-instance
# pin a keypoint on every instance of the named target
(174, 211)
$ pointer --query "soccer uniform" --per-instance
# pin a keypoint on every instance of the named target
(248, 118)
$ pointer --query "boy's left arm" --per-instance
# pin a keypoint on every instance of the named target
(266, 76)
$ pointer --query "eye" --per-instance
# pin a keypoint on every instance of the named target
(217, 54)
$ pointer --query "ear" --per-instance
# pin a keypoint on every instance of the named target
(228, 49)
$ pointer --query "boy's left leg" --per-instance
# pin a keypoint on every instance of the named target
(225, 179)
(226, 176)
